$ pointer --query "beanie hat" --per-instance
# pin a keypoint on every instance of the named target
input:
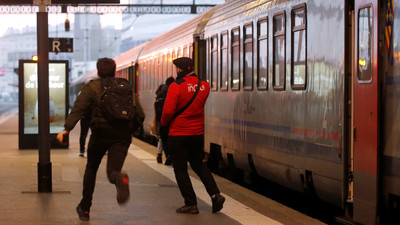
(184, 63)
(106, 67)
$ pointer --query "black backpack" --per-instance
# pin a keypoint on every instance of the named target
(160, 100)
(117, 99)
(158, 106)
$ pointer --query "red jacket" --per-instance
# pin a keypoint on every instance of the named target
(191, 121)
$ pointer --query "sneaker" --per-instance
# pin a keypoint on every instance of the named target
(217, 203)
(123, 188)
(189, 209)
(159, 158)
(82, 155)
(83, 214)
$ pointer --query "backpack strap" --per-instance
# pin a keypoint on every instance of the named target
(188, 104)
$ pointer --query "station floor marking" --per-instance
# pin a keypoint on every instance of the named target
(232, 208)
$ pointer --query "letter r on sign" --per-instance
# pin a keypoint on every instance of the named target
(56, 46)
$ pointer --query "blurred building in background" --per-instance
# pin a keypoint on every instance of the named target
(91, 40)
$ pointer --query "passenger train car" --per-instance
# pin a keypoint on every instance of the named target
(305, 93)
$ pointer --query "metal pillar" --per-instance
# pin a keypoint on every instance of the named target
(44, 164)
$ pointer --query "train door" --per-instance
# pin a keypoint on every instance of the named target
(365, 112)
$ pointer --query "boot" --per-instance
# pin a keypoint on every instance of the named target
(159, 158)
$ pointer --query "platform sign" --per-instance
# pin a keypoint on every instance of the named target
(28, 102)
(61, 45)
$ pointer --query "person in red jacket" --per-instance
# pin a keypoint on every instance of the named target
(186, 135)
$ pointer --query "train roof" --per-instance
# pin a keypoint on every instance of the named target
(181, 34)
(129, 58)
(234, 11)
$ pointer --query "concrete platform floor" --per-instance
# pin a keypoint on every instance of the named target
(154, 193)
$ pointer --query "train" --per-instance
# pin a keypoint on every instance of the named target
(304, 93)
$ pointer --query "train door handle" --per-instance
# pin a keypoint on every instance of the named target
(354, 134)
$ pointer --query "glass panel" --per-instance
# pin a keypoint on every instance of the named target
(214, 43)
(299, 58)
(168, 65)
(156, 74)
(248, 32)
(262, 63)
(279, 61)
(299, 17)
(248, 65)
(262, 28)
(235, 60)
(214, 69)
(173, 66)
(279, 24)
(224, 41)
(163, 69)
(235, 36)
(235, 67)
(224, 69)
(365, 44)
(185, 52)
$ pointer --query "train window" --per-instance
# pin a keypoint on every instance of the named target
(214, 62)
(165, 68)
(299, 40)
(185, 51)
(262, 57)
(162, 71)
(248, 57)
(168, 65)
(173, 69)
(224, 61)
(148, 75)
(179, 53)
(279, 52)
(235, 51)
(153, 75)
(364, 44)
(154, 79)
(142, 73)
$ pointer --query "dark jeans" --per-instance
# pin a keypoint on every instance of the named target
(101, 141)
(85, 122)
(163, 131)
(190, 148)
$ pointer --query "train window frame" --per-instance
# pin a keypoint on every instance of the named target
(300, 28)
(173, 69)
(156, 73)
(371, 41)
(160, 71)
(163, 69)
(280, 87)
(145, 79)
(179, 52)
(246, 42)
(263, 38)
(233, 45)
(224, 46)
(168, 64)
(191, 50)
(185, 53)
(214, 68)
(148, 85)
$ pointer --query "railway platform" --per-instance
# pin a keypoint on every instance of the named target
(154, 193)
